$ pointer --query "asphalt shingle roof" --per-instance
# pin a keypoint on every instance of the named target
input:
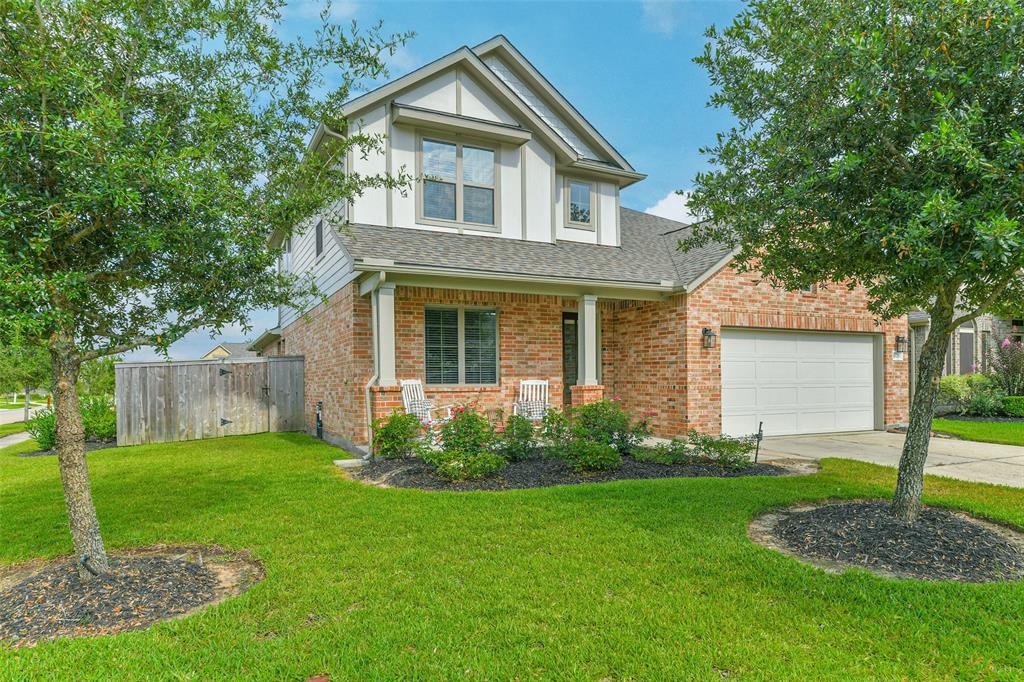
(648, 253)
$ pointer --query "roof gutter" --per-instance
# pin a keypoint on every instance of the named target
(383, 265)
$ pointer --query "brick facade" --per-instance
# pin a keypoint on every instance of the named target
(652, 358)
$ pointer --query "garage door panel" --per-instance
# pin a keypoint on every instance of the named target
(777, 396)
(817, 370)
(777, 370)
(741, 397)
(796, 382)
(817, 395)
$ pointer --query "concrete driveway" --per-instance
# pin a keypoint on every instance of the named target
(11, 416)
(983, 462)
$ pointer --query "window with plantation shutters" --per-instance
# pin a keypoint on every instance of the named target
(460, 345)
(481, 347)
(441, 354)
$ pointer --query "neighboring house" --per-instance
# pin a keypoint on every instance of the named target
(511, 258)
(972, 345)
(230, 350)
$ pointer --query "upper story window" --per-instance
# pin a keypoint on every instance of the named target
(319, 237)
(579, 195)
(458, 183)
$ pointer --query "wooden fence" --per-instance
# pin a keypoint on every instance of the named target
(188, 400)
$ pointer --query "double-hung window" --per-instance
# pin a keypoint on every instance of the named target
(458, 183)
(578, 198)
(460, 345)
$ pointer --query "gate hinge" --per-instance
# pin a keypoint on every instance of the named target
(224, 371)
(224, 422)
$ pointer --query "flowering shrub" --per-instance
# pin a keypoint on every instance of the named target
(588, 455)
(1008, 367)
(556, 432)
(605, 421)
(467, 431)
(398, 436)
(461, 465)
(519, 440)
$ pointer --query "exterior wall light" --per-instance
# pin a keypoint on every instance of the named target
(708, 338)
(901, 344)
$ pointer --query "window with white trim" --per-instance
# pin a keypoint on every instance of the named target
(460, 345)
(578, 198)
(459, 182)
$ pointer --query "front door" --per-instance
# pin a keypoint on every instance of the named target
(570, 356)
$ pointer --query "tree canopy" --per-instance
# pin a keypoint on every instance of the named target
(148, 149)
(875, 144)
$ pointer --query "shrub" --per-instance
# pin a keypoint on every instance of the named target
(99, 420)
(556, 433)
(605, 421)
(398, 436)
(731, 453)
(674, 452)
(1013, 406)
(588, 455)
(468, 431)
(519, 440)
(1008, 367)
(42, 426)
(987, 403)
(463, 465)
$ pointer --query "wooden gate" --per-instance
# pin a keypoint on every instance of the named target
(159, 402)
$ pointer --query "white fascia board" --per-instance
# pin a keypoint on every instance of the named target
(569, 286)
(500, 43)
(464, 57)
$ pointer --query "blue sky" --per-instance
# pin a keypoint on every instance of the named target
(627, 66)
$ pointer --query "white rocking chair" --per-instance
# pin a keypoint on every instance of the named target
(416, 402)
(533, 400)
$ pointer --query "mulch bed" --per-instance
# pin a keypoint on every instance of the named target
(541, 473)
(940, 545)
(47, 600)
(90, 445)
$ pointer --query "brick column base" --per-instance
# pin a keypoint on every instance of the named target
(384, 400)
(584, 395)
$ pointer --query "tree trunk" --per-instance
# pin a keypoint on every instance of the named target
(74, 473)
(906, 503)
(28, 399)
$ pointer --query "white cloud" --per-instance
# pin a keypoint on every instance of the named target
(660, 15)
(674, 207)
(311, 9)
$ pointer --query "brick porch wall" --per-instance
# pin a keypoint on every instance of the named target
(529, 343)
(337, 340)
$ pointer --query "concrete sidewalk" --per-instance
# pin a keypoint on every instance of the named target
(966, 460)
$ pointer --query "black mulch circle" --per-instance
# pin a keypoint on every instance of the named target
(940, 545)
(138, 591)
(541, 473)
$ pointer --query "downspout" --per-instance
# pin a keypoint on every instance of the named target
(376, 372)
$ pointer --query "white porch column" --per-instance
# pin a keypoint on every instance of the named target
(589, 354)
(384, 306)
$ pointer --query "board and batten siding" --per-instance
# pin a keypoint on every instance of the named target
(159, 402)
(528, 193)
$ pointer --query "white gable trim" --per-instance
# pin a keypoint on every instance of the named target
(465, 58)
(500, 44)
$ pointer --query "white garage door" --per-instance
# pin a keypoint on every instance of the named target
(796, 382)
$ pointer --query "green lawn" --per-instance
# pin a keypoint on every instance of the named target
(8, 429)
(628, 580)
(1006, 433)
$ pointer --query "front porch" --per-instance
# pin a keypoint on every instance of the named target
(475, 347)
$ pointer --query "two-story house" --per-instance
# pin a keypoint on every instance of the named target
(511, 258)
